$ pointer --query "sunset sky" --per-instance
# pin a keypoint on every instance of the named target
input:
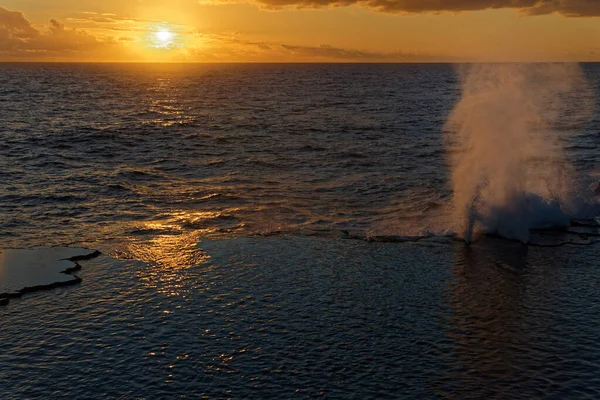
(300, 30)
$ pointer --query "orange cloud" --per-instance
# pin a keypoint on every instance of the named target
(14, 25)
(327, 52)
(234, 48)
(110, 21)
(19, 39)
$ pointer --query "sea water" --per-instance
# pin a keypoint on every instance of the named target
(242, 211)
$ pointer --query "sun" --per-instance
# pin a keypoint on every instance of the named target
(164, 35)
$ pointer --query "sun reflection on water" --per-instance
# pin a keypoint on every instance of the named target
(167, 256)
(163, 103)
(172, 252)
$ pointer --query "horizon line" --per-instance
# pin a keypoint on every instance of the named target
(299, 62)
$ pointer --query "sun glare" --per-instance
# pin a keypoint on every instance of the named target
(162, 37)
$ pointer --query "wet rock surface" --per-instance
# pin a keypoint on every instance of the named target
(29, 270)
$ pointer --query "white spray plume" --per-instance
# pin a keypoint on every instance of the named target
(505, 136)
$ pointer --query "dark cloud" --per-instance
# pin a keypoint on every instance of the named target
(570, 8)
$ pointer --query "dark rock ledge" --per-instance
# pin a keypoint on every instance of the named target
(25, 271)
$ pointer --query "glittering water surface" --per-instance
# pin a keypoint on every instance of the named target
(105, 151)
(227, 199)
(315, 317)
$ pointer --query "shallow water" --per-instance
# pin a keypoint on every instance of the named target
(313, 317)
(226, 199)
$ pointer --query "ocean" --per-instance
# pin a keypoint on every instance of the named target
(290, 231)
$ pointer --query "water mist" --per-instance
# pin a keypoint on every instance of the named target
(505, 143)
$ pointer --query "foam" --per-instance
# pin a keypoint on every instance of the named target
(509, 171)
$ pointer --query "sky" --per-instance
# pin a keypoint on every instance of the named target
(299, 30)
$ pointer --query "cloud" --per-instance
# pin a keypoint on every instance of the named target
(569, 8)
(233, 47)
(335, 53)
(19, 40)
(14, 24)
(108, 18)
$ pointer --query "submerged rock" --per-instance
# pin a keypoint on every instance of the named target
(29, 270)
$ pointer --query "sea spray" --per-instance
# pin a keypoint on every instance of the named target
(505, 135)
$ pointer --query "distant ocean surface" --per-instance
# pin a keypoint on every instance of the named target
(223, 197)
(96, 152)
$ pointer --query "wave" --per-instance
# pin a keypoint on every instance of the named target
(512, 174)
